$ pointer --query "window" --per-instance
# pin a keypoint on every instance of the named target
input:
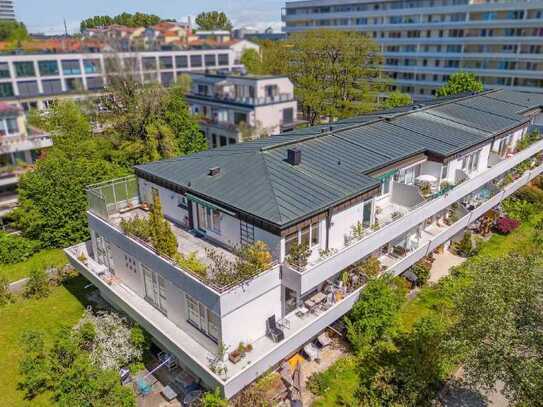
(155, 289)
(288, 115)
(444, 171)
(195, 61)
(74, 84)
(130, 263)
(240, 117)
(214, 140)
(203, 318)
(209, 219)
(166, 78)
(366, 213)
(6, 90)
(92, 66)
(71, 67)
(470, 162)
(12, 126)
(51, 86)
(181, 61)
(385, 185)
(304, 236)
(210, 60)
(182, 201)
(308, 235)
(231, 141)
(315, 238)
(223, 141)
(223, 59)
(290, 241)
(149, 63)
(166, 62)
(95, 82)
(48, 68)
(4, 70)
(28, 88)
(24, 69)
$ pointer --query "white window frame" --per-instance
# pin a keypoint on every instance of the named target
(198, 315)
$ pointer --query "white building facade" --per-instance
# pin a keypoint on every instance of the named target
(425, 41)
(236, 108)
(34, 80)
(396, 187)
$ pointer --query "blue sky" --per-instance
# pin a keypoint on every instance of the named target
(47, 15)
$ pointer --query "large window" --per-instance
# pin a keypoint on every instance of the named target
(149, 63)
(195, 61)
(308, 235)
(366, 213)
(203, 318)
(92, 66)
(48, 68)
(155, 288)
(181, 61)
(385, 184)
(95, 82)
(6, 90)
(209, 219)
(223, 59)
(24, 69)
(74, 84)
(28, 88)
(71, 67)
(470, 163)
(51, 86)
(166, 62)
(11, 125)
(210, 60)
(4, 70)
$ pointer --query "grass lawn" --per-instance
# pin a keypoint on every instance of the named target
(338, 384)
(45, 258)
(48, 315)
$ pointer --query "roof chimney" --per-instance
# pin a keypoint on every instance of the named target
(294, 156)
(214, 171)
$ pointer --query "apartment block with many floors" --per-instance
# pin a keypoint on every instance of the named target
(395, 185)
(235, 108)
(20, 145)
(33, 80)
(7, 10)
(425, 41)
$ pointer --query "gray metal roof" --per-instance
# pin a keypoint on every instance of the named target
(256, 179)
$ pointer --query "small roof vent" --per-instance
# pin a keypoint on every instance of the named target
(214, 171)
(294, 156)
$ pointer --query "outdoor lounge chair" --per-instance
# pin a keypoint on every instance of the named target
(311, 352)
(324, 340)
(273, 331)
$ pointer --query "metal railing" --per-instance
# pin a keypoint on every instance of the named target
(110, 197)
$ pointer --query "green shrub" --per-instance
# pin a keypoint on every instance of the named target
(422, 270)
(139, 338)
(5, 295)
(213, 399)
(37, 285)
(518, 209)
(14, 249)
(465, 246)
(138, 227)
(530, 194)
(192, 263)
(298, 255)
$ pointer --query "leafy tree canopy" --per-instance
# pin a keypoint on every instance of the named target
(500, 328)
(333, 71)
(126, 19)
(213, 20)
(252, 61)
(12, 31)
(397, 99)
(461, 82)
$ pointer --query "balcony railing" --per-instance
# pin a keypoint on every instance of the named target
(110, 197)
(326, 267)
(251, 101)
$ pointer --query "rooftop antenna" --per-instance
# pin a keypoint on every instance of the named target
(65, 28)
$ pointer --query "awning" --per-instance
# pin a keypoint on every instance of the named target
(387, 174)
(200, 201)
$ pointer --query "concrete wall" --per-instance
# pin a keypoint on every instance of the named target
(269, 117)
(168, 199)
(342, 223)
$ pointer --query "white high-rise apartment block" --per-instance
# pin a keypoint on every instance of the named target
(425, 41)
(7, 10)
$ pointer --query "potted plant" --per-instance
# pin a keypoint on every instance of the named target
(298, 256)
(425, 188)
(234, 356)
(83, 259)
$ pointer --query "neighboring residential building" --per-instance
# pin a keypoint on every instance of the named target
(7, 10)
(215, 35)
(425, 41)
(19, 147)
(236, 108)
(33, 80)
(396, 185)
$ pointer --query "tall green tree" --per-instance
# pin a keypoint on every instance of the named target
(461, 82)
(130, 20)
(13, 31)
(52, 198)
(161, 234)
(499, 332)
(250, 58)
(213, 20)
(374, 313)
(397, 99)
(336, 74)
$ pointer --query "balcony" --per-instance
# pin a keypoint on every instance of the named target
(114, 202)
(247, 101)
(328, 266)
(34, 141)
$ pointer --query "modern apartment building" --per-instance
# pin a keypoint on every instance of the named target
(19, 147)
(425, 41)
(32, 80)
(7, 10)
(396, 185)
(236, 108)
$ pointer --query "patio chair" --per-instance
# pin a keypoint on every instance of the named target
(272, 331)
(311, 352)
